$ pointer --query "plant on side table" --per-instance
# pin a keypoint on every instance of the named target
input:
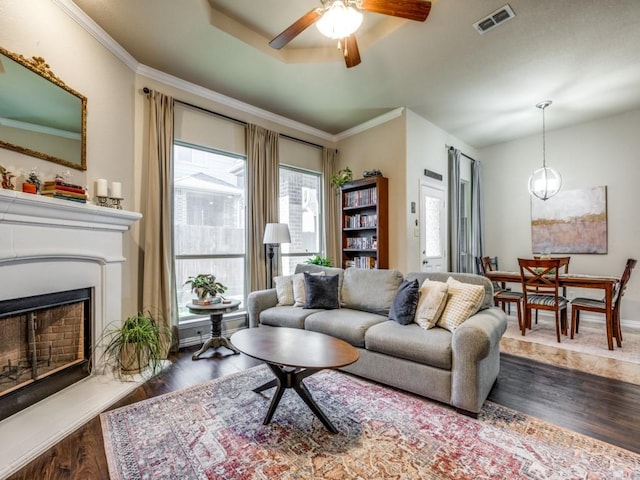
(140, 342)
(207, 289)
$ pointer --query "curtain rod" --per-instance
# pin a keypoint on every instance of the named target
(451, 147)
(146, 91)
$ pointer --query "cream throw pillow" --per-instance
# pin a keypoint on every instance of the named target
(284, 289)
(433, 298)
(464, 300)
(299, 293)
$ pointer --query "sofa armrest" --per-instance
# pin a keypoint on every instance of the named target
(476, 358)
(479, 334)
(257, 302)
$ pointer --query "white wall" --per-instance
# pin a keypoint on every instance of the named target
(602, 152)
(40, 28)
(425, 149)
(383, 147)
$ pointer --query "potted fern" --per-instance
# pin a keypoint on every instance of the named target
(140, 342)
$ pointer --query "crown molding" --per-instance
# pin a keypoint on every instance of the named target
(76, 14)
(96, 31)
(374, 122)
(170, 80)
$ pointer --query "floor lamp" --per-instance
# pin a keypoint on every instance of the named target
(274, 235)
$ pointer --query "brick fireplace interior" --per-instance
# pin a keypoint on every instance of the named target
(45, 346)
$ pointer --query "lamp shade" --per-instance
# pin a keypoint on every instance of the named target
(276, 233)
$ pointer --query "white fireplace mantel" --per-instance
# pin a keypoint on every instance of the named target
(50, 245)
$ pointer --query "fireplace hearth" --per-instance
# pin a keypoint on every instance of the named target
(45, 346)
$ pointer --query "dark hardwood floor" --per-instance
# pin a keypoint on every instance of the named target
(599, 407)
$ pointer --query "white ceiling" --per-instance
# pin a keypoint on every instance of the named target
(582, 54)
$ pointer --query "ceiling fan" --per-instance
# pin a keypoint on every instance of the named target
(339, 19)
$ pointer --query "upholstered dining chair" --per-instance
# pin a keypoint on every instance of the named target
(502, 297)
(540, 290)
(579, 304)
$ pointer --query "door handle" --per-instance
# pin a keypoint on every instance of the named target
(425, 261)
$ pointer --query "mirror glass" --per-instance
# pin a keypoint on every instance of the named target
(40, 115)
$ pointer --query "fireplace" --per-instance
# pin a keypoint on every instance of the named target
(44, 346)
(50, 247)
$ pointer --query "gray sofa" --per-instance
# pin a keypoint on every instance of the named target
(455, 368)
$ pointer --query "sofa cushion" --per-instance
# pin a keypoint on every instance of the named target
(433, 298)
(411, 342)
(346, 324)
(299, 290)
(370, 290)
(464, 299)
(321, 291)
(471, 278)
(284, 289)
(311, 268)
(403, 307)
(285, 316)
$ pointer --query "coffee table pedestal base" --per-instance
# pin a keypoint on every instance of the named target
(292, 378)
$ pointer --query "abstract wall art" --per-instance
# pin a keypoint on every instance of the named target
(573, 221)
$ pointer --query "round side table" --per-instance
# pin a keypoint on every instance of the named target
(215, 312)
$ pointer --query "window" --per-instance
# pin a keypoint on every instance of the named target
(209, 219)
(301, 209)
(467, 262)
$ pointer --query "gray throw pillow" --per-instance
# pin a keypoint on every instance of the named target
(403, 308)
(321, 291)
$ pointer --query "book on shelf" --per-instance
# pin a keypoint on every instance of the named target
(57, 191)
(80, 199)
(69, 187)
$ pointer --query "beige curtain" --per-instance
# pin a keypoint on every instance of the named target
(331, 207)
(262, 198)
(158, 279)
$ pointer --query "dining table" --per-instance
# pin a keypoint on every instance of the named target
(607, 283)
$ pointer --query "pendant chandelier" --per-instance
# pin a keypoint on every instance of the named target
(545, 182)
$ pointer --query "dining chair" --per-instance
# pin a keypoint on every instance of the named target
(579, 304)
(540, 290)
(502, 297)
(564, 268)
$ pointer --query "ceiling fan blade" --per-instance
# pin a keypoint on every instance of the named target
(411, 9)
(351, 52)
(296, 28)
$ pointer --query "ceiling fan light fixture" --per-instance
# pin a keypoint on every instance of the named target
(339, 20)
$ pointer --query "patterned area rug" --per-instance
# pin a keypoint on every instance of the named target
(214, 431)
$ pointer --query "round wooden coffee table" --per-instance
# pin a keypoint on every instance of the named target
(292, 355)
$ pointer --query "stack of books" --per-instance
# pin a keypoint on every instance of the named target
(65, 191)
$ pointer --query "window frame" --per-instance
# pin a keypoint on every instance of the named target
(191, 318)
(321, 223)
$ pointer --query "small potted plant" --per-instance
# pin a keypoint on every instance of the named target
(207, 289)
(318, 260)
(140, 342)
(343, 176)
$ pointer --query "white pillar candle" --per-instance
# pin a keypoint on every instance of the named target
(116, 189)
(101, 187)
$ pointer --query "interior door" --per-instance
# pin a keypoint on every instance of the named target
(433, 230)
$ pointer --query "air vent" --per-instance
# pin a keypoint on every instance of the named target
(494, 19)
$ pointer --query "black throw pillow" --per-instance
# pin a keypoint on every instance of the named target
(321, 291)
(403, 308)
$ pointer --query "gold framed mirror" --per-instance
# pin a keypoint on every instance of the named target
(40, 115)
